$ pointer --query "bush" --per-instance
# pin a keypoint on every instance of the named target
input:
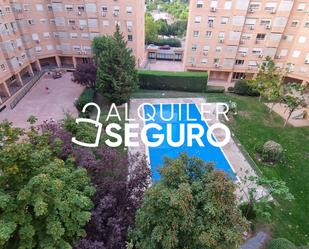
(85, 98)
(170, 41)
(85, 74)
(230, 89)
(272, 152)
(178, 81)
(242, 88)
(281, 243)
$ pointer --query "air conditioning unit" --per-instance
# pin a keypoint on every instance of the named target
(104, 13)
(250, 10)
(278, 56)
(216, 65)
(20, 63)
(307, 61)
(260, 56)
(79, 52)
(130, 28)
(221, 40)
(284, 37)
(273, 11)
(213, 9)
(81, 27)
(251, 27)
(243, 54)
(205, 53)
(116, 13)
(242, 41)
(268, 26)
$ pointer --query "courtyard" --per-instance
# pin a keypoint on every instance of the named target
(48, 99)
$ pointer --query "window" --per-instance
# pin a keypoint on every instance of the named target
(73, 35)
(195, 33)
(81, 8)
(7, 9)
(237, 76)
(284, 52)
(104, 11)
(294, 23)
(218, 49)
(43, 21)
(296, 54)
(50, 47)
(31, 22)
(129, 26)
(254, 6)
(228, 5)
(69, 8)
(129, 9)
(208, 34)
(49, 7)
(1, 13)
(46, 35)
(116, 11)
(200, 4)
(130, 37)
(260, 37)
(252, 63)
(2, 66)
(105, 23)
(265, 22)
(302, 39)
(239, 62)
(71, 22)
(224, 20)
(301, 7)
(307, 24)
(39, 7)
(84, 35)
(211, 21)
(198, 19)
(204, 61)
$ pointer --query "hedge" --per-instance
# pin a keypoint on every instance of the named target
(281, 243)
(170, 41)
(85, 98)
(243, 88)
(178, 81)
(215, 89)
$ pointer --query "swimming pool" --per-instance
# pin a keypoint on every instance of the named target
(207, 153)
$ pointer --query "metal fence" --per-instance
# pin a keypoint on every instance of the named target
(26, 89)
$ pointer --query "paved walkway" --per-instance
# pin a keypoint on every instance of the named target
(175, 66)
(257, 242)
(237, 160)
(45, 104)
(281, 110)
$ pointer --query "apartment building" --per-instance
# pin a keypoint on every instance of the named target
(36, 34)
(229, 38)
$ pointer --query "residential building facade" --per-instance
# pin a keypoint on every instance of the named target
(40, 34)
(230, 38)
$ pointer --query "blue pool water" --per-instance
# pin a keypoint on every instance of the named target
(207, 153)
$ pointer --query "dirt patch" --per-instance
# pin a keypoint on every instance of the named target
(244, 114)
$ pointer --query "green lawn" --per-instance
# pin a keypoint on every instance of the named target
(254, 125)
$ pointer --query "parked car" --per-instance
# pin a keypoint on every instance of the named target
(165, 47)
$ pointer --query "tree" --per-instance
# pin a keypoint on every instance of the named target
(151, 29)
(294, 98)
(85, 74)
(117, 196)
(192, 206)
(44, 201)
(116, 76)
(269, 81)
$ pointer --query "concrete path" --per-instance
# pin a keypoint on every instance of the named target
(175, 66)
(257, 242)
(44, 103)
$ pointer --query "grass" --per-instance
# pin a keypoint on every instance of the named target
(255, 125)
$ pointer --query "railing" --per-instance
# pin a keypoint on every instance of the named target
(26, 89)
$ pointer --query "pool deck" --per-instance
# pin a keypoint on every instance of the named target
(237, 160)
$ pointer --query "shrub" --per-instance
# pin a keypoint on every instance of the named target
(243, 88)
(272, 152)
(230, 89)
(85, 74)
(281, 243)
(178, 81)
(170, 41)
(85, 98)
